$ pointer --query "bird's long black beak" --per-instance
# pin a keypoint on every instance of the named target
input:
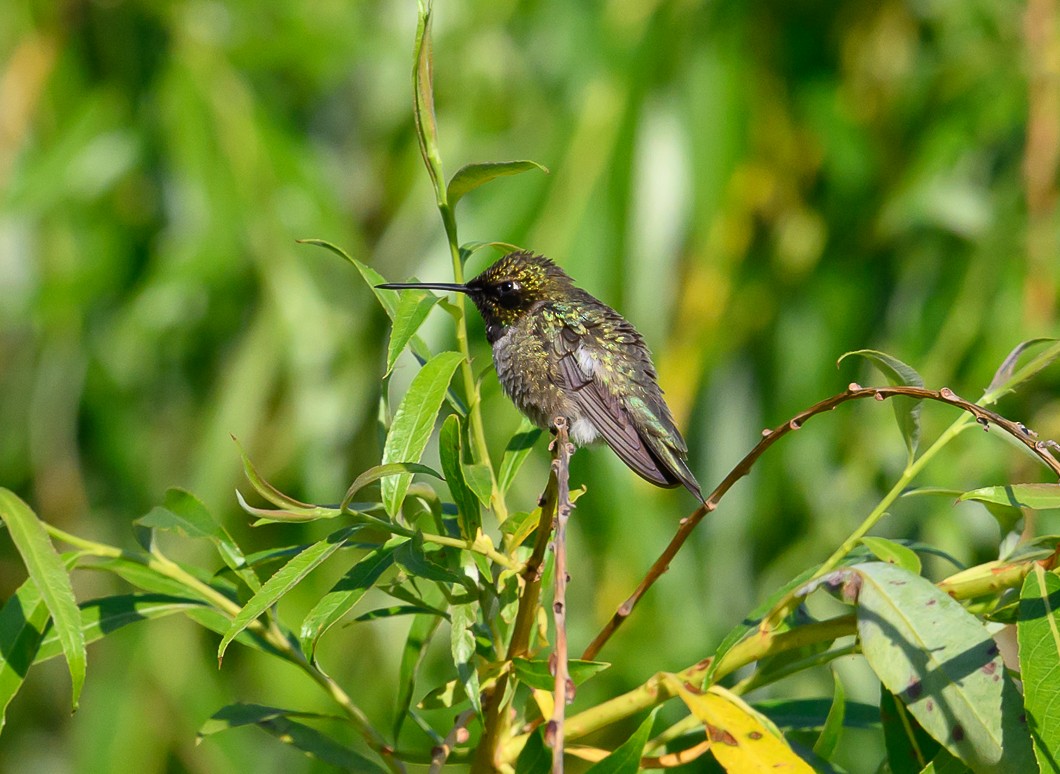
(447, 286)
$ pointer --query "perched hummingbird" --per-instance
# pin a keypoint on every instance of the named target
(561, 352)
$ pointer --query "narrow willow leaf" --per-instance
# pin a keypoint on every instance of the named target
(420, 633)
(1035, 496)
(944, 665)
(285, 516)
(811, 714)
(446, 696)
(413, 558)
(909, 747)
(944, 763)
(382, 471)
(537, 673)
(282, 581)
(186, 515)
(395, 610)
(535, 757)
(626, 759)
(515, 454)
(423, 103)
(22, 622)
(462, 647)
(264, 488)
(1003, 378)
(1038, 632)
(471, 176)
(50, 576)
(894, 553)
(412, 309)
(742, 740)
(827, 742)
(450, 451)
(413, 422)
(519, 525)
(906, 410)
(100, 617)
(279, 723)
(480, 480)
(344, 596)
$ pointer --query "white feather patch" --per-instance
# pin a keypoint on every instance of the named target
(583, 432)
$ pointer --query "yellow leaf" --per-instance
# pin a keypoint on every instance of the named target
(741, 739)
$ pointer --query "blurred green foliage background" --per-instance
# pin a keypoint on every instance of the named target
(759, 187)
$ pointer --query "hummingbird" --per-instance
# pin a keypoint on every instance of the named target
(559, 351)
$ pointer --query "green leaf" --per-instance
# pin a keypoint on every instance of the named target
(480, 480)
(520, 524)
(413, 422)
(944, 665)
(894, 553)
(396, 610)
(944, 763)
(537, 674)
(471, 176)
(1039, 497)
(1005, 378)
(909, 747)
(450, 450)
(827, 742)
(462, 646)
(344, 595)
(413, 558)
(906, 410)
(626, 759)
(535, 757)
(100, 617)
(264, 488)
(423, 102)
(811, 714)
(1038, 632)
(382, 471)
(186, 515)
(22, 622)
(515, 454)
(49, 574)
(420, 633)
(412, 309)
(279, 724)
(282, 581)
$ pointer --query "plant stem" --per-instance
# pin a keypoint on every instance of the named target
(561, 465)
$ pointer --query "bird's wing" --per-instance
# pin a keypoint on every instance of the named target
(583, 375)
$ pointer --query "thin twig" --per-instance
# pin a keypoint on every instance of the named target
(983, 416)
(457, 735)
(561, 693)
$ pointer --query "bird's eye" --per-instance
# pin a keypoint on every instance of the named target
(508, 293)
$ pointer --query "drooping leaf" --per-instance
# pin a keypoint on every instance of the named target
(264, 488)
(909, 747)
(412, 309)
(895, 553)
(282, 581)
(537, 674)
(52, 580)
(471, 176)
(413, 558)
(1035, 496)
(741, 739)
(278, 722)
(413, 422)
(626, 758)
(423, 103)
(1003, 379)
(345, 595)
(828, 740)
(22, 622)
(420, 633)
(462, 646)
(450, 451)
(941, 661)
(906, 410)
(1038, 632)
(515, 454)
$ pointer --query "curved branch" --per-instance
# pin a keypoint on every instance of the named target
(985, 417)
